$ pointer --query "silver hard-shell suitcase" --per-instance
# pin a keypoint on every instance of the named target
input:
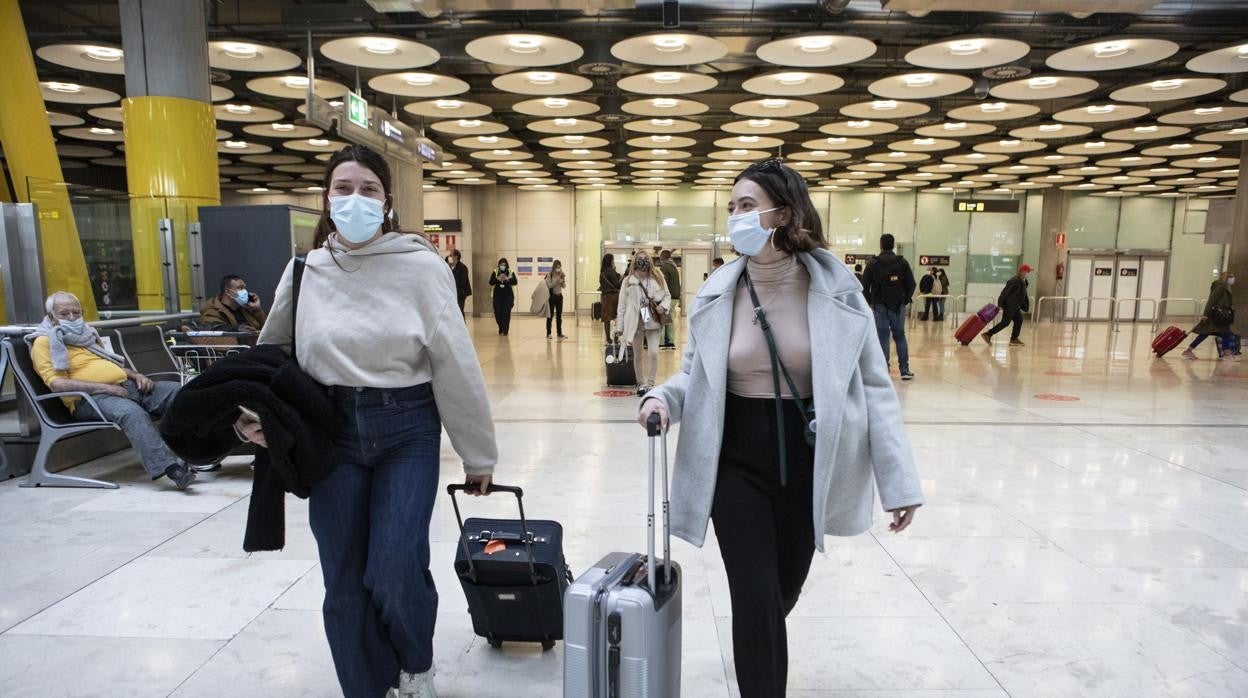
(621, 638)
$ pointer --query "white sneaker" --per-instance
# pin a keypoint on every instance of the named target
(416, 685)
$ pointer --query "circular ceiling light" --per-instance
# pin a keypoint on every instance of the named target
(447, 108)
(524, 50)
(920, 85)
(968, 53)
(1101, 113)
(542, 83)
(1232, 59)
(74, 93)
(1205, 115)
(993, 111)
(1168, 89)
(1112, 54)
(670, 49)
(250, 57)
(418, 84)
(816, 50)
(667, 82)
(792, 83)
(380, 52)
(885, 109)
(89, 57)
(296, 87)
(1044, 87)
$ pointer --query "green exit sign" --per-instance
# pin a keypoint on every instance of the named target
(357, 110)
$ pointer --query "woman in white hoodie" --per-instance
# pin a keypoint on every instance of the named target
(378, 324)
(642, 296)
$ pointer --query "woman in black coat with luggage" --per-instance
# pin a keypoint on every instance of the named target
(504, 281)
(1217, 319)
(609, 281)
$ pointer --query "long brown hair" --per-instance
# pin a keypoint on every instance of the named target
(786, 188)
(368, 158)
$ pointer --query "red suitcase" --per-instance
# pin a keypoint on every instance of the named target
(970, 329)
(1167, 340)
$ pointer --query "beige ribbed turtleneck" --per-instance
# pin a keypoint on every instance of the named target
(782, 286)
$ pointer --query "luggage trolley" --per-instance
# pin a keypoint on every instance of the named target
(196, 350)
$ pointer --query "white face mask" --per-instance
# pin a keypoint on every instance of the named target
(1230, 281)
(746, 232)
(356, 217)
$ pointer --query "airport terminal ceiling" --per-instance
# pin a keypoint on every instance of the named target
(868, 94)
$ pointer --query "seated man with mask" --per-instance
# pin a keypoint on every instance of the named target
(69, 356)
(234, 309)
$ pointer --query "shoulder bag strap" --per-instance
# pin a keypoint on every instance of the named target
(295, 285)
(777, 368)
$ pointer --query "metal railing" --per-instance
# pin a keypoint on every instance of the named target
(1080, 307)
(108, 324)
(913, 310)
(1117, 320)
(1164, 302)
(576, 305)
(1036, 314)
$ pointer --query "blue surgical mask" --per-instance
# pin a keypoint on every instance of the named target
(74, 326)
(746, 232)
(241, 296)
(356, 217)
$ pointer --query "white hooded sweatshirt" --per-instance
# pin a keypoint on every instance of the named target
(386, 316)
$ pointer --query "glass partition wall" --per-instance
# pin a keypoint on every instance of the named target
(983, 249)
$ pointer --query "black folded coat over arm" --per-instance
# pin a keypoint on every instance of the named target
(297, 415)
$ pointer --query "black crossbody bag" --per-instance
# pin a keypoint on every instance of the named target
(777, 368)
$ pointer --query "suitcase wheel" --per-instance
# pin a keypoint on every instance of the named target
(548, 645)
(496, 644)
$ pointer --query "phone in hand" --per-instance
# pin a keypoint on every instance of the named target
(249, 414)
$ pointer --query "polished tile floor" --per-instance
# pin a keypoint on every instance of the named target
(1086, 535)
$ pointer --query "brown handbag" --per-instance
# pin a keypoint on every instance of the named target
(656, 311)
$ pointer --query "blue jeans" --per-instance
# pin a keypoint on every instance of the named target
(371, 522)
(893, 322)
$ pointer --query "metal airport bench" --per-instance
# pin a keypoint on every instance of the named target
(55, 422)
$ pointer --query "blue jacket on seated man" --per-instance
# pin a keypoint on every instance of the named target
(69, 356)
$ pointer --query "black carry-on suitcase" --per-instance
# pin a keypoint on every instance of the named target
(514, 583)
(620, 371)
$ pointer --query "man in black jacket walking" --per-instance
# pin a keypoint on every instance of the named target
(1014, 303)
(463, 285)
(888, 284)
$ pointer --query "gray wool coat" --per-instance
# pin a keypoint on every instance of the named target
(860, 440)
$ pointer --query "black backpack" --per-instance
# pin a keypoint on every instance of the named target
(890, 282)
(927, 283)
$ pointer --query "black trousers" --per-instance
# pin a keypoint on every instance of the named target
(766, 535)
(502, 311)
(556, 314)
(1006, 318)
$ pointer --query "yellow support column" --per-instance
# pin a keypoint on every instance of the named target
(34, 164)
(171, 135)
(171, 167)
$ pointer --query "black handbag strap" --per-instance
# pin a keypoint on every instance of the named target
(777, 368)
(295, 285)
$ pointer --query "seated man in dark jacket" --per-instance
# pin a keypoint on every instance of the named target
(235, 309)
(1014, 303)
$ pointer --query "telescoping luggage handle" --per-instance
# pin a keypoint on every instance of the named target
(654, 428)
(452, 488)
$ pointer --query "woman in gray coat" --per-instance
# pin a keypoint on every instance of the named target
(778, 454)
